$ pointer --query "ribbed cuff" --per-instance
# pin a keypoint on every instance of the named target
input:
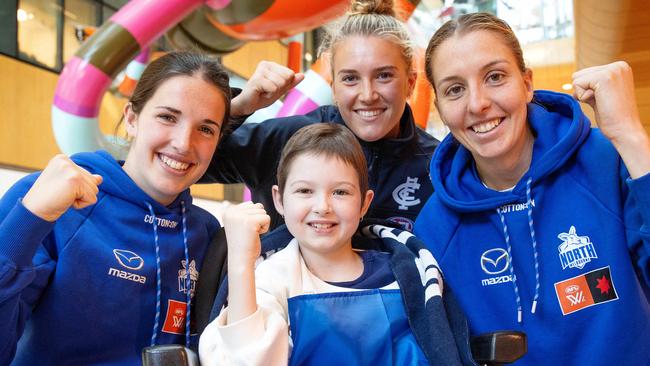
(640, 191)
(21, 232)
(239, 333)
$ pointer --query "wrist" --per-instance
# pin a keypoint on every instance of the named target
(238, 107)
(634, 149)
(47, 216)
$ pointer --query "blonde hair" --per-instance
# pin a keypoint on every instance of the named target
(469, 23)
(368, 18)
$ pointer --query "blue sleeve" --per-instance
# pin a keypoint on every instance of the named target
(637, 224)
(25, 265)
(251, 153)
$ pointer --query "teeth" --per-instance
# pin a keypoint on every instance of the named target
(173, 163)
(486, 126)
(322, 226)
(369, 114)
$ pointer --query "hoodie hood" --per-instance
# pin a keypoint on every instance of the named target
(117, 183)
(454, 176)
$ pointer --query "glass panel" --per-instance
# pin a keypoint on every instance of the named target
(37, 37)
(78, 14)
(107, 13)
(116, 4)
(8, 27)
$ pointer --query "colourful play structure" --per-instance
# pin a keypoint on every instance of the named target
(217, 26)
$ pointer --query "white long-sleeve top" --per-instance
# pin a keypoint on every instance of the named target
(263, 337)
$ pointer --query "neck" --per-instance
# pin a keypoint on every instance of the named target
(345, 265)
(504, 172)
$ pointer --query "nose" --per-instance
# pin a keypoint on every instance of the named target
(182, 138)
(367, 92)
(321, 204)
(479, 100)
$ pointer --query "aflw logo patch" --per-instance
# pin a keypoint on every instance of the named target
(586, 290)
(575, 250)
(175, 319)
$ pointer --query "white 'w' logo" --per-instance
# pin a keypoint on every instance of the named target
(576, 298)
(179, 321)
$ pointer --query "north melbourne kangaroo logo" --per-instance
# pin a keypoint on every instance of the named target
(575, 251)
(182, 277)
(403, 194)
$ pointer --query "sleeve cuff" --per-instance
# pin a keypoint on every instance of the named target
(240, 333)
(640, 191)
(21, 232)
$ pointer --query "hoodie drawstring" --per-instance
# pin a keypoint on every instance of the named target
(535, 254)
(512, 271)
(534, 241)
(158, 280)
(187, 280)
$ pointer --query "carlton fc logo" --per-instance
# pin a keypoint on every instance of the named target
(575, 250)
(403, 194)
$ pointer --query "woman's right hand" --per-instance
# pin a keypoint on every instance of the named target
(61, 185)
(268, 83)
(244, 223)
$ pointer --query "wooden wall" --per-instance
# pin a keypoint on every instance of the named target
(607, 31)
(26, 95)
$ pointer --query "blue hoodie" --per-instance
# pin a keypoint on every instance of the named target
(83, 290)
(563, 257)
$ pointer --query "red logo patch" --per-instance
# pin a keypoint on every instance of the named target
(175, 319)
(586, 290)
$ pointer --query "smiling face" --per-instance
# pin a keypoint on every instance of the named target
(482, 96)
(322, 204)
(174, 136)
(371, 83)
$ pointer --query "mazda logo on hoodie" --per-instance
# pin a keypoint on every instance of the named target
(494, 261)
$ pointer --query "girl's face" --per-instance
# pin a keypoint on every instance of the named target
(481, 95)
(174, 136)
(370, 85)
(322, 204)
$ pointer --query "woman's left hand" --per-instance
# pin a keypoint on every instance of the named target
(609, 90)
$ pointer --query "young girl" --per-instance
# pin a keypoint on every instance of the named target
(371, 59)
(319, 301)
(539, 221)
(99, 258)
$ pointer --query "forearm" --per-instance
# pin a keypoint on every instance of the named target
(239, 107)
(634, 149)
(242, 301)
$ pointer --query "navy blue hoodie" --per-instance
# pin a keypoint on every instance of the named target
(397, 168)
(83, 290)
(564, 256)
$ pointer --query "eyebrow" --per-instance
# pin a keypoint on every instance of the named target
(337, 183)
(176, 111)
(486, 66)
(379, 69)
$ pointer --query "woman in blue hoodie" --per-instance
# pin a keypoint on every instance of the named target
(98, 257)
(540, 222)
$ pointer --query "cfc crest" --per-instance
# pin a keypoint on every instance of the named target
(403, 194)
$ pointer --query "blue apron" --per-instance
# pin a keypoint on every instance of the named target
(367, 327)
